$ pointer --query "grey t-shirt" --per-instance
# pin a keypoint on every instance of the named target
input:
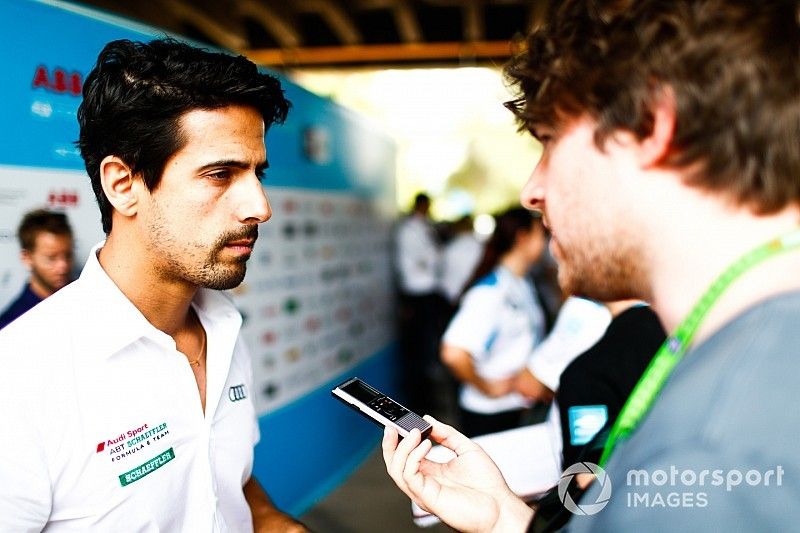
(720, 449)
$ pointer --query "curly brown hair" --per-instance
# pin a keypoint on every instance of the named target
(733, 67)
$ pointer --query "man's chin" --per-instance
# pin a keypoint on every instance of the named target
(227, 280)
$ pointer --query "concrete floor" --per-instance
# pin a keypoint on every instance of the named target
(367, 502)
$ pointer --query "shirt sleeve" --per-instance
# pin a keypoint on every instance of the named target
(579, 325)
(474, 326)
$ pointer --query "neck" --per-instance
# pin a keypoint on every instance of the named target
(688, 259)
(164, 303)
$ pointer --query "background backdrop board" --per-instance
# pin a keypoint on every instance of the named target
(317, 300)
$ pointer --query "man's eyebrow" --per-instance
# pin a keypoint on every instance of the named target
(234, 163)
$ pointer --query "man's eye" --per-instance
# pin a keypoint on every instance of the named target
(261, 174)
(219, 175)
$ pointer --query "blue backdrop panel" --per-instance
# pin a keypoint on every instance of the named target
(327, 440)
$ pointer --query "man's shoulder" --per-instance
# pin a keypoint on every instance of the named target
(741, 381)
(24, 301)
(490, 289)
(764, 334)
(47, 323)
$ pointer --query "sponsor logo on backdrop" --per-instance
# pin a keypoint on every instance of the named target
(63, 198)
(11, 196)
(58, 80)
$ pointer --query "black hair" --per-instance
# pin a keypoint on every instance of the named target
(508, 225)
(136, 94)
(421, 200)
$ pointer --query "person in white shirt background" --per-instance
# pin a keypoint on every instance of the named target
(579, 324)
(422, 308)
(460, 256)
(497, 325)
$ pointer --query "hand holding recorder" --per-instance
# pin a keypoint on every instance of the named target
(468, 492)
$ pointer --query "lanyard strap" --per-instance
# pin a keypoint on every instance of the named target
(674, 348)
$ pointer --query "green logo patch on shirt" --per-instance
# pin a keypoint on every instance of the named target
(150, 466)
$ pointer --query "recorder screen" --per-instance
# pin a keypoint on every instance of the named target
(361, 392)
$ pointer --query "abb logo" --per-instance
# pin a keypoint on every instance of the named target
(58, 81)
(63, 199)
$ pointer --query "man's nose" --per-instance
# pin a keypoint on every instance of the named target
(532, 195)
(254, 206)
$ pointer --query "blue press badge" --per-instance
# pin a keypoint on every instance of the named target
(585, 421)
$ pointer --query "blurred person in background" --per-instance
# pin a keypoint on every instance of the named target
(594, 386)
(579, 324)
(45, 239)
(591, 393)
(460, 257)
(418, 264)
(497, 325)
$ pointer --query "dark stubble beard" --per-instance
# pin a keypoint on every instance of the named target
(217, 275)
(201, 266)
(603, 273)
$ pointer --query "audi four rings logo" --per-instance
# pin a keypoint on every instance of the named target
(237, 393)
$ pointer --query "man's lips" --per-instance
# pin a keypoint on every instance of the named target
(241, 244)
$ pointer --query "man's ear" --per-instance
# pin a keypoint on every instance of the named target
(655, 147)
(117, 181)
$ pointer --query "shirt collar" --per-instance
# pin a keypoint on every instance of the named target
(116, 323)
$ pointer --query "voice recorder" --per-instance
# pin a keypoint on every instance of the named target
(379, 408)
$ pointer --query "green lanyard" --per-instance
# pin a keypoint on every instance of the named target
(674, 348)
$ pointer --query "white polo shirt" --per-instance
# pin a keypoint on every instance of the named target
(101, 422)
(498, 324)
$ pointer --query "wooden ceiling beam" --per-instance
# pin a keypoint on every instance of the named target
(224, 36)
(380, 53)
(273, 23)
(405, 17)
(473, 21)
(406, 20)
(336, 17)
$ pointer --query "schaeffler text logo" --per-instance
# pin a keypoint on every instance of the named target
(585, 508)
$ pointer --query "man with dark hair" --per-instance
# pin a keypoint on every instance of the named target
(45, 240)
(124, 413)
(670, 174)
